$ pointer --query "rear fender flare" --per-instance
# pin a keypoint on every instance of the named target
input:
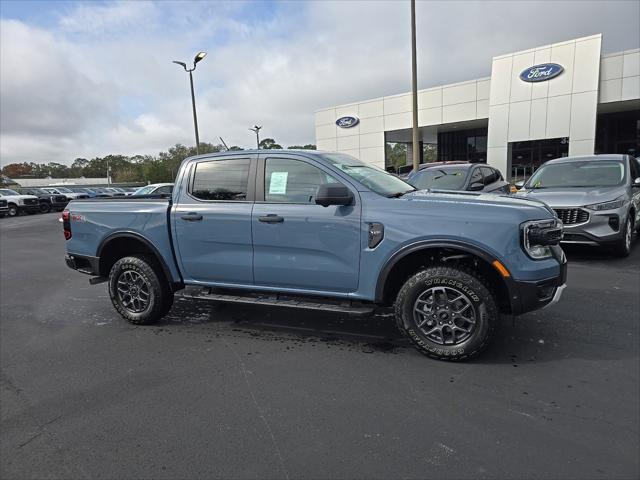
(136, 236)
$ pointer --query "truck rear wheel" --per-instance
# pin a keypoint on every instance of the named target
(138, 290)
(446, 312)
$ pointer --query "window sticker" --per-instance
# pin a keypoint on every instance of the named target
(278, 184)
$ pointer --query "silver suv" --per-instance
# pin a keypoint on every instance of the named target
(597, 198)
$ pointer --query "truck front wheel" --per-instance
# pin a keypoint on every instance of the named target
(447, 312)
(138, 290)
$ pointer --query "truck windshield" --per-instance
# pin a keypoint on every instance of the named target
(589, 173)
(8, 191)
(370, 176)
(64, 190)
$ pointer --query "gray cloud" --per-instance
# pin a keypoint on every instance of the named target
(101, 81)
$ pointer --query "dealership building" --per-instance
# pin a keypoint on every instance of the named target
(538, 104)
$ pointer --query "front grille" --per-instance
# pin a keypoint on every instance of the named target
(30, 201)
(3, 203)
(571, 216)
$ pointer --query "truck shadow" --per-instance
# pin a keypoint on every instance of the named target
(529, 339)
(586, 253)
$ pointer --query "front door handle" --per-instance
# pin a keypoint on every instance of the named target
(271, 218)
(192, 217)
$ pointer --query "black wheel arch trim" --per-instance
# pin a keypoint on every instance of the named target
(427, 244)
(136, 236)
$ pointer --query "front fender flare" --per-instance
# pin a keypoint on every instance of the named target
(423, 245)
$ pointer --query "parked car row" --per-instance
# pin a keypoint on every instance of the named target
(596, 197)
(46, 199)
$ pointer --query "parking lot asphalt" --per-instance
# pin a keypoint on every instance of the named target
(248, 392)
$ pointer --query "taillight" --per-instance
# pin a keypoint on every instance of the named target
(66, 224)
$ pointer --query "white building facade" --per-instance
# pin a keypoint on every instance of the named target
(538, 104)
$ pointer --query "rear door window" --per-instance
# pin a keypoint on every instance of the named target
(476, 176)
(225, 180)
(489, 175)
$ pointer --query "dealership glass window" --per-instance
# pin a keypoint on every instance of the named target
(526, 157)
(221, 180)
(618, 132)
(292, 181)
(466, 145)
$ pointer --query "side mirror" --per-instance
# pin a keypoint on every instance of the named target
(636, 183)
(333, 194)
(476, 187)
(519, 184)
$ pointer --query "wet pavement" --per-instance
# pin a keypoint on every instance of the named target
(254, 392)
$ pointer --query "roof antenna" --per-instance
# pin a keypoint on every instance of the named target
(225, 145)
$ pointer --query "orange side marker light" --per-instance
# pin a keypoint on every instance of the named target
(501, 268)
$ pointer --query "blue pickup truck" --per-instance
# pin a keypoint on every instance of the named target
(321, 230)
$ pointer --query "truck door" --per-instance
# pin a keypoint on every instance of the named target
(212, 221)
(298, 244)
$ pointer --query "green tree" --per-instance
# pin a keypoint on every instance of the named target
(269, 144)
(396, 154)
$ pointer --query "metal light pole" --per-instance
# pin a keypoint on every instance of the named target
(414, 89)
(197, 58)
(256, 128)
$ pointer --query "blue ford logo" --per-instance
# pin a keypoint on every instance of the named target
(541, 73)
(347, 122)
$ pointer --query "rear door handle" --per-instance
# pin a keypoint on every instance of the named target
(271, 218)
(192, 217)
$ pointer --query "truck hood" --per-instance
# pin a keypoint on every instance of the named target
(572, 197)
(476, 198)
(14, 198)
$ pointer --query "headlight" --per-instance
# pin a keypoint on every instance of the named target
(613, 204)
(539, 235)
(20, 201)
(52, 198)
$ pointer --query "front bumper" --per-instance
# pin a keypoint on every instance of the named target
(601, 228)
(29, 208)
(528, 296)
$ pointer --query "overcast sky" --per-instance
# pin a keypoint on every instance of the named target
(85, 79)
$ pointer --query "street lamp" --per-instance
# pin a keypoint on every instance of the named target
(256, 128)
(414, 92)
(197, 58)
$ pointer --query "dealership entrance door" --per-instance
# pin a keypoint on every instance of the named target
(526, 157)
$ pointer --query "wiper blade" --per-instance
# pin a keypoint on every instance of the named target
(400, 194)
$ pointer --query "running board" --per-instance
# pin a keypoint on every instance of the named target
(280, 300)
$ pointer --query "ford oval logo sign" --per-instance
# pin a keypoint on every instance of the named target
(541, 73)
(347, 122)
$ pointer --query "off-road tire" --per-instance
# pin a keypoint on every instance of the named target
(45, 207)
(468, 283)
(622, 247)
(160, 296)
